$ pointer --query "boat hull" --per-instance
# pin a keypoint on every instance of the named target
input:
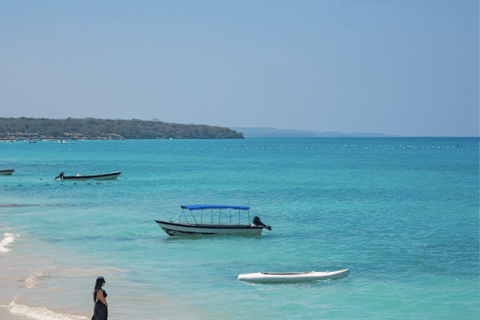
(176, 229)
(6, 172)
(286, 277)
(109, 176)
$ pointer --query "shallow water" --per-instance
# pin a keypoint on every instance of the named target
(401, 213)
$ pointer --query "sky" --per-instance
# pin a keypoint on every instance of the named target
(408, 68)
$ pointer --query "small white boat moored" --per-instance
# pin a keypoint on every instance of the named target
(107, 176)
(282, 277)
(6, 172)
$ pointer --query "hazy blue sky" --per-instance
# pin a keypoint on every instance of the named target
(394, 67)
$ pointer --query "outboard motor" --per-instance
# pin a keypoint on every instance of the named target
(60, 176)
(258, 222)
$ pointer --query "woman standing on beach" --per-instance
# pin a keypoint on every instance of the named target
(101, 305)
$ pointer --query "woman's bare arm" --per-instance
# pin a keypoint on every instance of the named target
(101, 297)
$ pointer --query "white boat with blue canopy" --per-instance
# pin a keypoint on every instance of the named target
(210, 220)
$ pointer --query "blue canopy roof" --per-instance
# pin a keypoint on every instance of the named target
(202, 207)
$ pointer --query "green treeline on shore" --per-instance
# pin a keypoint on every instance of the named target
(95, 129)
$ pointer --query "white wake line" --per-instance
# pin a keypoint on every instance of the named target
(38, 313)
(5, 242)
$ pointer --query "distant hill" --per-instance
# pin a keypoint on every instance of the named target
(249, 132)
(95, 129)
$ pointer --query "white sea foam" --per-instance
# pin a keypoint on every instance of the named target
(5, 242)
(31, 282)
(39, 313)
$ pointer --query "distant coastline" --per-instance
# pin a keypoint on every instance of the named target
(33, 129)
(262, 132)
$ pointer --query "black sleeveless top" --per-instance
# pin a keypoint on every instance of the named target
(104, 295)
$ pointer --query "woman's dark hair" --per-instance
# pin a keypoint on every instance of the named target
(98, 286)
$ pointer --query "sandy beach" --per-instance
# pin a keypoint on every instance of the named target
(24, 289)
(59, 286)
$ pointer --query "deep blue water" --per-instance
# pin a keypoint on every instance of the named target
(401, 213)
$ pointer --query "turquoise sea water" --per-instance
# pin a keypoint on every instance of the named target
(401, 213)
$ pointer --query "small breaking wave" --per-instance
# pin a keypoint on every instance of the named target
(39, 313)
(31, 282)
(5, 242)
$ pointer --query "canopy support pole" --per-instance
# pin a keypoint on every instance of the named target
(184, 215)
(192, 216)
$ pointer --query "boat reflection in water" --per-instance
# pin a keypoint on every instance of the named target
(209, 220)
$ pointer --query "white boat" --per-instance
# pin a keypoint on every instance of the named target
(282, 277)
(6, 172)
(106, 176)
(208, 220)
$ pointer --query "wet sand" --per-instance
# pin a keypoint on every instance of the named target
(22, 295)
(58, 286)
